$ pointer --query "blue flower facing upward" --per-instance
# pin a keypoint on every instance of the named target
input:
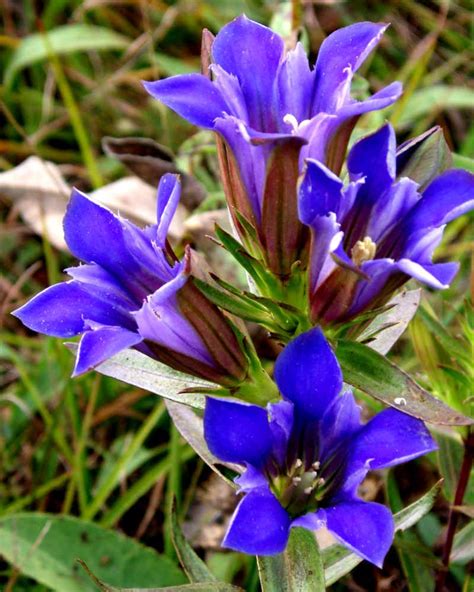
(271, 110)
(306, 456)
(133, 292)
(373, 234)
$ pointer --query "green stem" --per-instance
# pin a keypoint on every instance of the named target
(298, 569)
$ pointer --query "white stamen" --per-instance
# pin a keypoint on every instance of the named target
(291, 120)
(298, 463)
(296, 480)
(307, 490)
(400, 401)
(316, 465)
(363, 250)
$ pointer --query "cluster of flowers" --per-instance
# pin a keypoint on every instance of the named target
(282, 130)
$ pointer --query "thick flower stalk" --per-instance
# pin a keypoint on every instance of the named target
(372, 235)
(306, 456)
(133, 292)
(272, 110)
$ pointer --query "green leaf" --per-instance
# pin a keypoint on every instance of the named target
(46, 548)
(135, 368)
(190, 426)
(298, 569)
(463, 162)
(372, 373)
(62, 40)
(433, 99)
(193, 565)
(387, 327)
(415, 557)
(339, 561)
(199, 587)
(463, 547)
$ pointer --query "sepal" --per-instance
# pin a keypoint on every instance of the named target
(424, 157)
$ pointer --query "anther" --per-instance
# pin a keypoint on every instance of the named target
(296, 480)
(363, 250)
(298, 463)
(308, 490)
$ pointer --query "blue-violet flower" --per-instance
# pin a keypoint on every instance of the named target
(133, 292)
(306, 456)
(372, 235)
(273, 110)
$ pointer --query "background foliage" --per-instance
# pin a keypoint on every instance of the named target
(102, 455)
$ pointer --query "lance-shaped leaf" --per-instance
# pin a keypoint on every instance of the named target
(190, 426)
(136, 369)
(424, 157)
(283, 235)
(298, 569)
(387, 327)
(193, 565)
(372, 373)
(339, 561)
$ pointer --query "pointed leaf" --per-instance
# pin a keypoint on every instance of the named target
(463, 548)
(139, 370)
(193, 565)
(388, 326)
(190, 426)
(339, 561)
(372, 373)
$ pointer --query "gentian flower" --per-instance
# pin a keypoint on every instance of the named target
(372, 235)
(306, 456)
(272, 111)
(133, 292)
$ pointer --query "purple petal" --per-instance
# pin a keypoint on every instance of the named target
(436, 275)
(89, 227)
(251, 478)
(98, 345)
(61, 309)
(259, 526)
(252, 53)
(161, 320)
(341, 421)
(102, 284)
(320, 192)
(193, 96)
(383, 98)
(392, 208)
(237, 432)
(169, 192)
(281, 423)
(308, 374)
(366, 528)
(373, 157)
(389, 439)
(340, 55)
(295, 84)
(450, 195)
